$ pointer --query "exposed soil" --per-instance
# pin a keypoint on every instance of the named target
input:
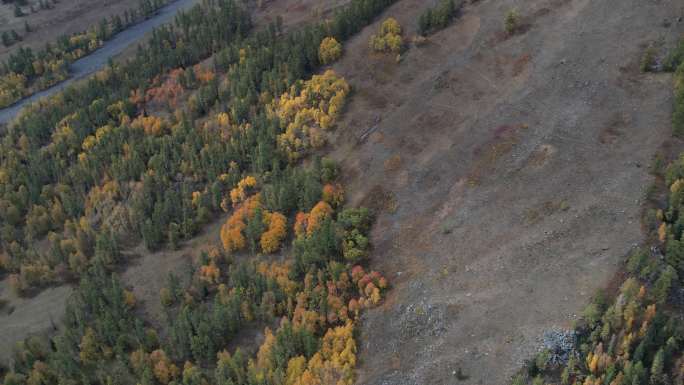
(22, 317)
(147, 273)
(523, 166)
(294, 12)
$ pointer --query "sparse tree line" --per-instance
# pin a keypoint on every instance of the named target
(151, 150)
(10, 37)
(652, 61)
(26, 72)
(635, 336)
(20, 6)
(634, 339)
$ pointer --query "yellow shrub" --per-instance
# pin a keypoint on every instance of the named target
(389, 39)
(330, 50)
(306, 115)
(277, 229)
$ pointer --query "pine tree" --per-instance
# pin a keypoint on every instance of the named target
(6, 39)
(17, 11)
(15, 35)
(255, 227)
(657, 367)
(424, 22)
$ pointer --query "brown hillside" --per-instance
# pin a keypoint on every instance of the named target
(509, 174)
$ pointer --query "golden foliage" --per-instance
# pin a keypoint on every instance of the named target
(318, 214)
(272, 238)
(280, 272)
(151, 125)
(129, 299)
(263, 358)
(389, 38)
(138, 359)
(333, 364)
(239, 193)
(677, 185)
(210, 273)
(333, 194)
(40, 374)
(302, 317)
(232, 237)
(305, 116)
(330, 50)
(196, 195)
(223, 119)
(390, 26)
(164, 370)
(89, 349)
(231, 232)
(165, 296)
(190, 373)
(295, 369)
(12, 88)
(662, 232)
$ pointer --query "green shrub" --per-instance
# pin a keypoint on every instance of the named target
(648, 60)
(661, 288)
(512, 21)
(17, 11)
(675, 58)
(678, 114)
(519, 380)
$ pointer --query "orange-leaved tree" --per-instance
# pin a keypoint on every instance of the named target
(272, 238)
(318, 214)
(232, 236)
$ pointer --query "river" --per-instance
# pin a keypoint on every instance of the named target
(98, 59)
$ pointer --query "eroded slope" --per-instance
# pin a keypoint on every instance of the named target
(509, 174)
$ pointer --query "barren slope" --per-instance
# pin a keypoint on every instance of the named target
(509, 174)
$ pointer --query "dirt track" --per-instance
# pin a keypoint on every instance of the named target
(510, 172)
